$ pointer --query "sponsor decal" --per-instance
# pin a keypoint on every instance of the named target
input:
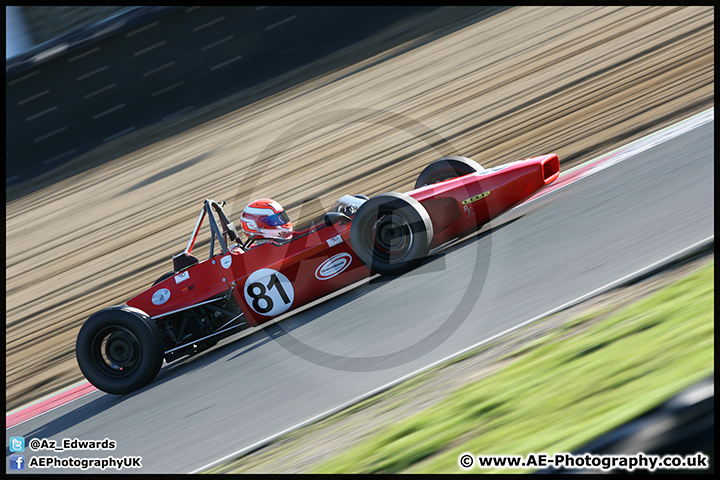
(161, 296)
(475, 198)
(336, 240)
(333, 266)
(188, 288)
(226, 261)
(181, 277)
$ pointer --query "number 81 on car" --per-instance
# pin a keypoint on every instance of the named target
(269, 292)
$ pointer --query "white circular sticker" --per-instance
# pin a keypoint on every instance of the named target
(333, 266)
(161, 296)
(268, 292)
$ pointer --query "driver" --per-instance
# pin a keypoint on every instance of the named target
(264, 220)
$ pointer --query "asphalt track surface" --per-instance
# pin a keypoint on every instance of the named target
(536, 258)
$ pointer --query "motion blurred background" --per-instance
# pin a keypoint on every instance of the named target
(120, 69)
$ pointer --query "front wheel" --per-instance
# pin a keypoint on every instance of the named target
(391, 233)
(119, 349)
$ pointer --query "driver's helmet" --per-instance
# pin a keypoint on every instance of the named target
(266, 219)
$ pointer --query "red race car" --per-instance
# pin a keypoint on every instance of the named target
(120, 349)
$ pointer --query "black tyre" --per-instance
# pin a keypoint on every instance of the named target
(446, 168)
(165, 276)
(119, 349)
(391, 233)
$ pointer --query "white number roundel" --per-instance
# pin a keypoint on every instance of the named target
(268, 292)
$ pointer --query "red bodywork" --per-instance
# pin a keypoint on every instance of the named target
(320, 260)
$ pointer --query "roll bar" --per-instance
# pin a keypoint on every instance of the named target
(215, 232)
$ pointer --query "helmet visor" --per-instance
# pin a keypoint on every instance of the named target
(276, 220)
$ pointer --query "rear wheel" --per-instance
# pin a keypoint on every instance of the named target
(119, 349)
(447, 168)
(391, 233)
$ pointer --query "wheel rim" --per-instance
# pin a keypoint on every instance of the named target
(116, 351)
(393, 237)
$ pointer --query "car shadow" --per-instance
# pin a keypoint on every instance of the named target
(85, 412)
(435, 262)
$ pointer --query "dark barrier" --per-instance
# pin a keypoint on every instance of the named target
(683, 425)
(86, 88)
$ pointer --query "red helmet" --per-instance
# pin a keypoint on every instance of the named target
(266, 218)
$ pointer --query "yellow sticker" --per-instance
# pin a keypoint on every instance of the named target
(476, 198)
